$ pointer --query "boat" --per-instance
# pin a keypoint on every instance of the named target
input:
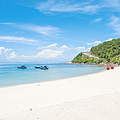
(44, 68)
(22, 67)
(38, 67)
(41, 67)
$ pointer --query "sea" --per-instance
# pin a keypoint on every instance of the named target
(10, 75)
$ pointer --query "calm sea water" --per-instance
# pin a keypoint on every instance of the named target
(10, 75)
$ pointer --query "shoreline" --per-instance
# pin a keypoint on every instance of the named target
(68, 97)
(47, 81)
(104, 65)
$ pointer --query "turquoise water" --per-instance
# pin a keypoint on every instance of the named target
(10, 75)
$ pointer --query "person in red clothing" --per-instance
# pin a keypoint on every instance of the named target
(108, 68)
(112, 67)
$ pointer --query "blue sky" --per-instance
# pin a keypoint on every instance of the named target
(48, 31)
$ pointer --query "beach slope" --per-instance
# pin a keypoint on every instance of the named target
(90, 97)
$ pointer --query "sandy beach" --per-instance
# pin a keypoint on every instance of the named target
(90, 97)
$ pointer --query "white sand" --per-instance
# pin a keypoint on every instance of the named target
(90, 97)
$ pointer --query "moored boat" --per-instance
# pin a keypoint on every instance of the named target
(41, 67)
(22, 67)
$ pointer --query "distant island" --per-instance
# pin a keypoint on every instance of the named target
(104, 53)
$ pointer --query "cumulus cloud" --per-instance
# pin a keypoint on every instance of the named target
(50, 52)
(55, 51)
(6, 54)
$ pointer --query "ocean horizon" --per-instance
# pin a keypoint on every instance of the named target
(10, 75)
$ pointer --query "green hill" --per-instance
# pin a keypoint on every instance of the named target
(107, 52)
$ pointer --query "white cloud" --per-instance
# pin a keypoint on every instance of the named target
(90, 8)
(81, 48)
(84, 6)
(115, 24)
(94, 43)
(55, 51)
(6, 54)
(67, 6)
(51, 45)
(109, 39)
(4, 50)
(64, 47)
(44, 54)
(6, 23)
(49, 53)
(112, 3)
(98, 19)
(42, 30)
(12, 55)
(16, 39)
(61, 52)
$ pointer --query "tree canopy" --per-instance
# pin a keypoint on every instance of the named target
(108, 51)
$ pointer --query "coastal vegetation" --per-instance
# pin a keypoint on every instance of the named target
(82, 58)
(107, 52)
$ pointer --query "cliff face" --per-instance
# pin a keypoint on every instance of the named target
(103, 53)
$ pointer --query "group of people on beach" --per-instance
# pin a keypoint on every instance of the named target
(110, 67)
